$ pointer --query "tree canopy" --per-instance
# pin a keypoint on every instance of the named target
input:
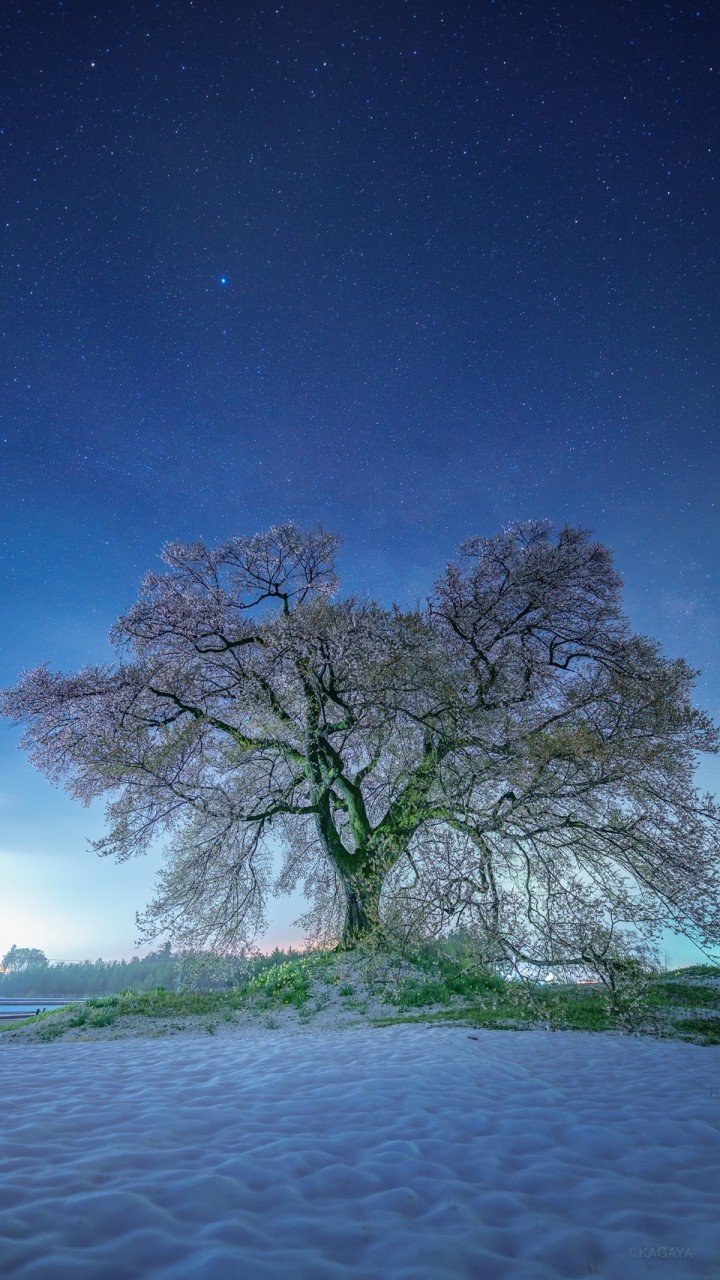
(20, 959)
(507, 755)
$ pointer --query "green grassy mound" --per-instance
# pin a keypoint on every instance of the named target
(436, 982)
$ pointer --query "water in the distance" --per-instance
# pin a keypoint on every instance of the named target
(24, 1007)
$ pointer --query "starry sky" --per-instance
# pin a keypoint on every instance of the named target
(414, 270)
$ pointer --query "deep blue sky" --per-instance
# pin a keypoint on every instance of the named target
(413, 270)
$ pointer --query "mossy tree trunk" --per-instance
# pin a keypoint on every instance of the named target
(362, 910)
(377, 849)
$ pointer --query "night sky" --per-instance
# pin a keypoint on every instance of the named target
(414, 270)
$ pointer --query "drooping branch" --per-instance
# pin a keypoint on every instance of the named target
(240, 739)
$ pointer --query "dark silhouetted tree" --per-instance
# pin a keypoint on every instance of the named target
(20, 959)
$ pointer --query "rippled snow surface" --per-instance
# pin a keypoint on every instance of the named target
(403, 1152)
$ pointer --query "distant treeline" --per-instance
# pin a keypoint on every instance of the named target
(174, 972)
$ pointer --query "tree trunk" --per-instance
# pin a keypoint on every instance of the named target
(362, 902)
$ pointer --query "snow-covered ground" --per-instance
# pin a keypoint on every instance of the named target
(400, 1153)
